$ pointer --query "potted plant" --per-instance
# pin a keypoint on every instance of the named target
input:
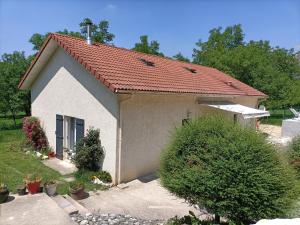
(21, 189)
(76, 190)
(4, 192)
(51, 154)
(33, 183)
(50, 187)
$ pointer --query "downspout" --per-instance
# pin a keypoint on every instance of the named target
(119, 139)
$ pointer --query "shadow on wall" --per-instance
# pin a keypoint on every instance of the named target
(62, 60)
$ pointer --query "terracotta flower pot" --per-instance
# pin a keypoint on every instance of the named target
(77, 194)
(4, 195)
(51, 154)
(50, 189)
(33, 187)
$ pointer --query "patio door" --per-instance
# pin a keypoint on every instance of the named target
(69, 130)
(74, 131)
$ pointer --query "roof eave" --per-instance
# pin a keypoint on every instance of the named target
(33, 63)
(128, 91)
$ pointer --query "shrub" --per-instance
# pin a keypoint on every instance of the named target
(104, 176)
(190, 219)
(231, 171)
(34, 133)
(294, 153)
(76, 185)
(89, 151)
(32, 178)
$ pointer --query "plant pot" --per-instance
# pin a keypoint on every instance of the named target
(51, 154)
(4, 195)
(33, 187)
(77, 194)
(21, 190)
(50, 189)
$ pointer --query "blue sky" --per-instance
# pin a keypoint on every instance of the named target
(177, 24)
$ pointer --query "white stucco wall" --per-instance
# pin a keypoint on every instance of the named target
(147, 122)
(64, 87)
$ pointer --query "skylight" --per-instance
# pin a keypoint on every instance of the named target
(190, 69)
(147, 62)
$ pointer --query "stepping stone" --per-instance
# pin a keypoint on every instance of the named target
(68, 179)
(63, 203)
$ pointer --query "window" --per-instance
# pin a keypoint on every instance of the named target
(190, 69)
(147, 62)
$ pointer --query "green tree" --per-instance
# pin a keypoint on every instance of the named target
(145, 47)
(271, 70)
(12, 67)
(228, 169)
(180, 57)
(100, 33)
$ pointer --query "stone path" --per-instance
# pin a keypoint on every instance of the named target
(61, 166)
(111, 219)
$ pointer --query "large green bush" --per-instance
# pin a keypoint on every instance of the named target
(89, 151)
(294, 152)
(229, 170)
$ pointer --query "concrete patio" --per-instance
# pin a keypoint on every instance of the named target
(33, 210)
(142, 198)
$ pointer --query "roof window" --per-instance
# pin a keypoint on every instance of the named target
(147, 62)
(190, 69)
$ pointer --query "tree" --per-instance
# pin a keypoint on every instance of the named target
(228, 169)
(100, 33)
(180, 57)
(145, 47)
(12, 67)
(256, 63)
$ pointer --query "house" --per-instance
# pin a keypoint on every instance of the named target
(135, 100)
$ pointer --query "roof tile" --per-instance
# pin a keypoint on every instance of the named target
(121, 69)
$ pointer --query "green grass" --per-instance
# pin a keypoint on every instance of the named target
(277, 116)
(7, 123)
(15, 164)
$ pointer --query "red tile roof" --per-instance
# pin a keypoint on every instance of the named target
(124, 70)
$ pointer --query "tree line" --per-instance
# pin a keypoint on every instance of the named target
(272, 70)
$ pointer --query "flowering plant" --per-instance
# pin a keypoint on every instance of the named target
(34, 133)
(32, 178)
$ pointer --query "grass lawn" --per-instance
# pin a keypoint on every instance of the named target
(277, 116)
(15, 164)
(7, 123)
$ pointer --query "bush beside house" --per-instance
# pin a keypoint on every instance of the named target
(34, 133)
(89, 151)
(294, 153)
(229, 170)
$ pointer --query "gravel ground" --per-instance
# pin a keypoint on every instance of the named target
(111, 219)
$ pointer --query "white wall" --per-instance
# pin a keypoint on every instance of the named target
(64, 87)
(147, 122)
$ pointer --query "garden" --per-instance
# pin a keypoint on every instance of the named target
(232, 172)
(22, 169)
